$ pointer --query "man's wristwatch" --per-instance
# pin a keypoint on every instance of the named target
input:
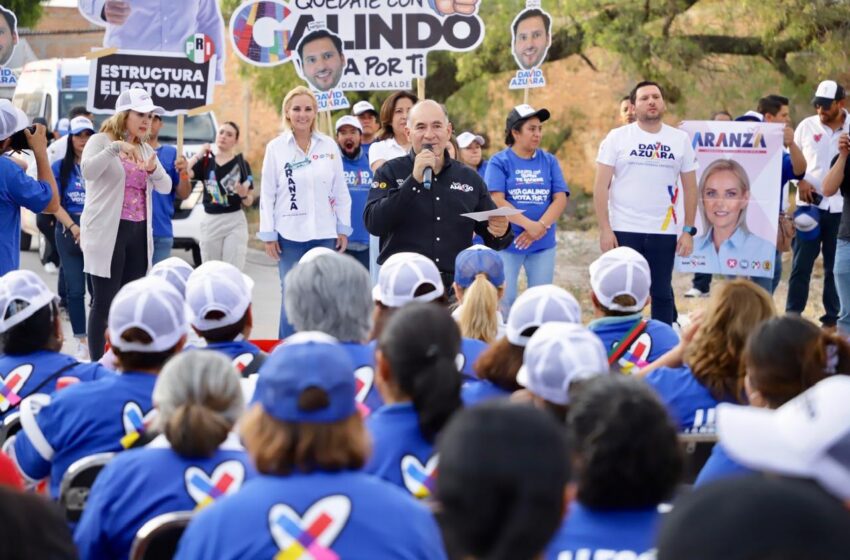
(690, 230)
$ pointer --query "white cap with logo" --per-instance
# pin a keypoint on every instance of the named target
(152, 305)
(218, 286)
(139, 100)
(620, 272)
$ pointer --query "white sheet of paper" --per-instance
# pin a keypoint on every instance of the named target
(487, 214)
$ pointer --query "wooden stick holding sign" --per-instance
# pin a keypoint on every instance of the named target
(181, 120)
(420, 88)
(525, 96)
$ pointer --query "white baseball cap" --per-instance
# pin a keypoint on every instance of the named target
(404, 273)
(464, 139)
(12, 119)
(807, 437)
(139, 100)
(152, 305)
(63, 126)
(79, 124)
(315, 253)
(539, 305)
(557, 355)
(348, 120)
(361, 107)
(22, 293)
(218, 286)
(827, 92)
(619, 272)
(175, 271)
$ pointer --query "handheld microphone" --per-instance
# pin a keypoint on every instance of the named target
(428, 174)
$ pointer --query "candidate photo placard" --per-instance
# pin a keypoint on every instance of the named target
(531, 37)
(738, 197)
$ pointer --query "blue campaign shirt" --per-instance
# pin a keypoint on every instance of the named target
(482, 168)
(20, 376)
(358, 177)
(72, 193)
(480, 390)
(690, 403)
(400, 454)
(240, 352)
(363, 357)
(84, 419)
(528, 184)
(163, 204)
(470, 349)
(346, 514)
(656, 339)
(17, 190)
(140, 484)
(589, 534)
(743, 254)
(720, 466)
(365, 147)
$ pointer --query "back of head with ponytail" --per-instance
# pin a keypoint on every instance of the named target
(199, 399)
(479, 316)
(421, 343)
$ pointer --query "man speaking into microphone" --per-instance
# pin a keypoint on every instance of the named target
(416, 201)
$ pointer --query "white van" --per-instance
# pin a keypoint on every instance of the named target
(51, 88)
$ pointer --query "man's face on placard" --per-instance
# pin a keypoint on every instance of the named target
(322, 64)
(531, 42)
(8, 40)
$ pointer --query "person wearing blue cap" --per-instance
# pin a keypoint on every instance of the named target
(479, 286)
(196, 461)
(418, 379)
(307, 441)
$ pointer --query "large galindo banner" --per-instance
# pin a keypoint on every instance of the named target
(354, 45)
(739, 192)
(174, 82)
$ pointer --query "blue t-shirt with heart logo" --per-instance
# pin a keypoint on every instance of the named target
(528, 184)
(73, 192)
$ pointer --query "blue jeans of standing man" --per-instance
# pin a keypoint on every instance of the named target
(805, 254)
(161, 249)
(842, 284)
(539, 270)
(290, 253)
(659, 250)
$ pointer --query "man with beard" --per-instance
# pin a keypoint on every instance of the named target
(369, 121)
(358, 177)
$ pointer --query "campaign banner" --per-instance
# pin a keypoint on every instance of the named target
(531, 37)
(332, 100)
(354, 45)
(174, 82)
(738, 195)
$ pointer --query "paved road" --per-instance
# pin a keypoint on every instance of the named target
(266, 296)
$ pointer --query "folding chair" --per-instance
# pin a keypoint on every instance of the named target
(158, 538)
(77, 482)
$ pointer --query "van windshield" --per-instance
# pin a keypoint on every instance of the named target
(196, 130)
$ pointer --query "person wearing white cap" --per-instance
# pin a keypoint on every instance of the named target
(120, 171)
(31, 340)
(470, 145)
(219, 298)
(527, 178)
(636, 194)
(368, 117)
(358, 177)
(496, 368)
(620, 283)
(818, 137)
(147, 326)
(17, 190)
(175, 271)
(304, 201)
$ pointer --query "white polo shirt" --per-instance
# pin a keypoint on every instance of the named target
(819, 144)
(385, 150)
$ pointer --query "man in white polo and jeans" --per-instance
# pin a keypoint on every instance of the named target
(637, 190)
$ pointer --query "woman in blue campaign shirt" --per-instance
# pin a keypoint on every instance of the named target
(625, 449)
(147, 326)
(785, 356)
(308, 442)
(195, 461)
(72, 198)
(707, 368)
(419, 381)
(527, 178)
(31, 338)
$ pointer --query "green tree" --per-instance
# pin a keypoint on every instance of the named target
(28, 12)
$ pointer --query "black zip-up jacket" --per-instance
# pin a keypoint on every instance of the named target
(407, 217)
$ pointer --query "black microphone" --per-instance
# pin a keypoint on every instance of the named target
(428, 174)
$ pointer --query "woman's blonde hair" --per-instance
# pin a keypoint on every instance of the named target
(116, 127)
(743, 179)
(479, 314)
(287, 102)
(715, 356)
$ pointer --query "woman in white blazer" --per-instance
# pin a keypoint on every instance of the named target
(120, 171)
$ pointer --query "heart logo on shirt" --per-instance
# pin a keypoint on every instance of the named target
(817, 137)
(134, 424)
(364, 378)
(226, 478)
(309, 536)
(419, 479)
(242, 361)
(12, 384)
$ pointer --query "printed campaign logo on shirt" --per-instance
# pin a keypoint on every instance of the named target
(364, 377)
(653, 151)
(419, 479)
(705, 421)
(462, 187)
(637, 355)
(134, 424)
(606, 554)
(309, 536)
(12, 384)
(242, 361)
(225, 479)
(529, 187)
(358, 179)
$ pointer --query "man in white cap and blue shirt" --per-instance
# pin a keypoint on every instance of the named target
(817, 136)
(369, 122)
(17, 190)
(358, 177)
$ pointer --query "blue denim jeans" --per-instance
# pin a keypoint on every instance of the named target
(74, 279)
(161, 249)
(659, 250)
(290, 253)
(539, 270)
(842, 284)
(805, 254)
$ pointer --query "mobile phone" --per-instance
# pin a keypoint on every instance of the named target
(817, 198)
